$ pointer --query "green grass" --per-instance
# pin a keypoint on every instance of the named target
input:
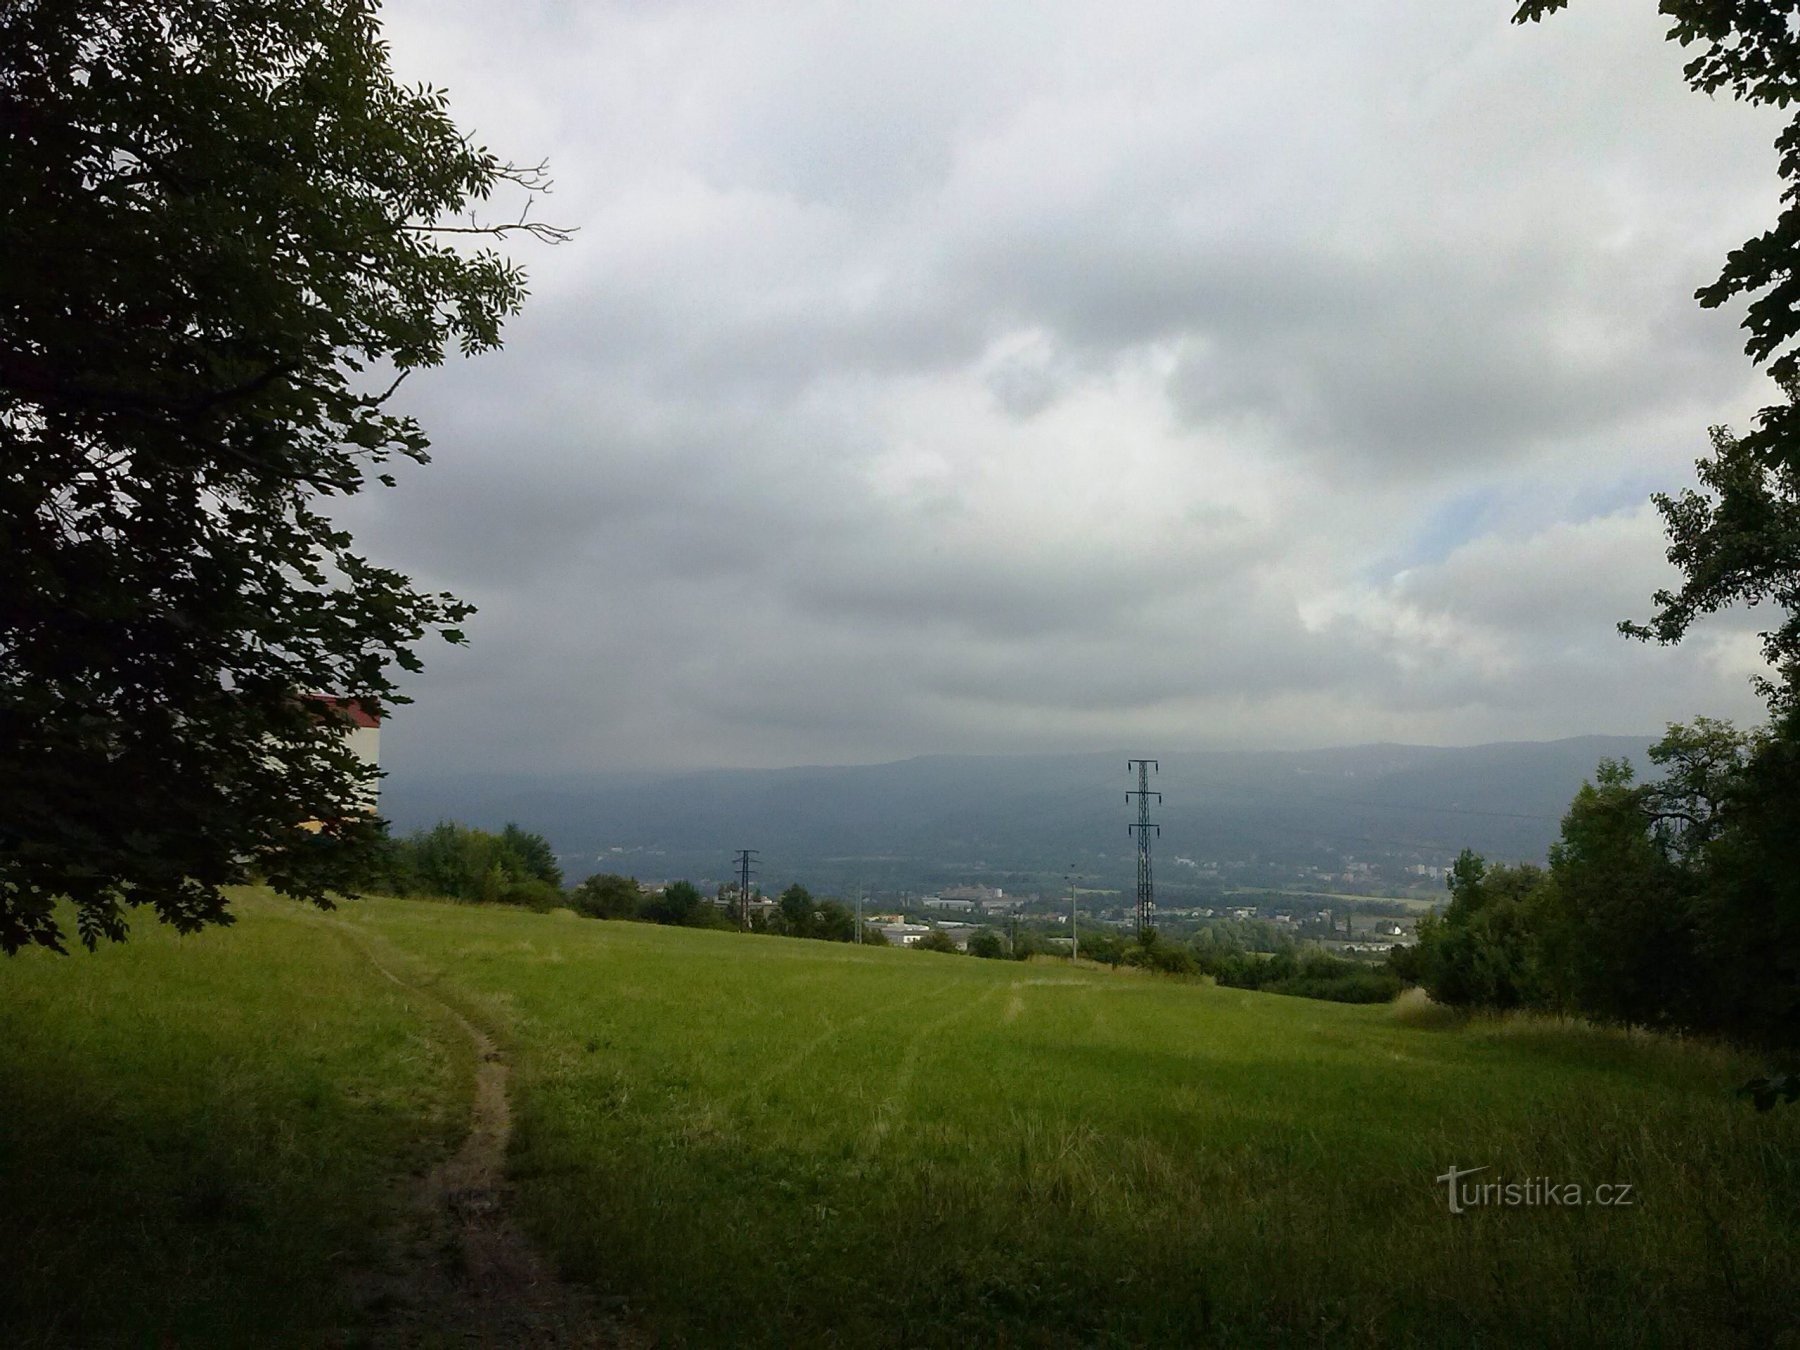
(199, 1135)
(758, 1141)
(784, 1142)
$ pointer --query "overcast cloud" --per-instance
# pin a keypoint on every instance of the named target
(1058, 376)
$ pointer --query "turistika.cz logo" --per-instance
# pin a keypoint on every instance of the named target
(1533, 1192)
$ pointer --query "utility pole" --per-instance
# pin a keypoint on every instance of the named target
(1146, 891)
(1074, 936)
(745, 863)
(859, 912)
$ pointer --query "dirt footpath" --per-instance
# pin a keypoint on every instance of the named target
(460, 1271)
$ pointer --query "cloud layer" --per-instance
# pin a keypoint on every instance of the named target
(1061, 376)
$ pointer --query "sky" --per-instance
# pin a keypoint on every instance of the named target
(1008, 378)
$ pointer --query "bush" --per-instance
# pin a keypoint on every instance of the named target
(1105, 947)
(937, 940)
(1163, 959)
(678, 904)
(608, 896)
(986, 944)
(1406, 964)
(458, 862)
(1415, 1008)
(533, 894)
(1360, 985)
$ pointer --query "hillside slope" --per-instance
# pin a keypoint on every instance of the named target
(922, 822)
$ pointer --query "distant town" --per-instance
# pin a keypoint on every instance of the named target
(1343, 923)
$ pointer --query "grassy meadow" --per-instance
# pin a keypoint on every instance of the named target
(199, 1135)
(762, 1141)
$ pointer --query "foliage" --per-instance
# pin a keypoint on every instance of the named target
(1310, 974)
(606, 896)
(223, 243)
(937, 940)
(1478, 950)
(1405, 963)
(1748, 882)
(1669, 904)
(987, 944)
(798, 914)
(458, 862)
(1737, 542)
(833, 922)
(1162, 957)
(1621, 924)
(1733, 864)
(1102, 945)
(1026, 944)
(680, 904)
(794, 911)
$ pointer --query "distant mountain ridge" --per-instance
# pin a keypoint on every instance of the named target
(917, 823)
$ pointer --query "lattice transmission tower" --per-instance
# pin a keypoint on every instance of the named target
(745, 862)
(1146, 890)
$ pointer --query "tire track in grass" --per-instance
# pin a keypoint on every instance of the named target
(761, 1084)
(883, 1117)
(462, 1271)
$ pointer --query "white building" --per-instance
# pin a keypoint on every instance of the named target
(361, 720)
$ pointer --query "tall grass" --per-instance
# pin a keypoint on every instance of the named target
(765, 1142)
(199, 1136)
(756, 1141)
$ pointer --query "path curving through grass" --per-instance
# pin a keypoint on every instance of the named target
(462, 1263)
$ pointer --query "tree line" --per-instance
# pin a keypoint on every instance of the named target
(1672, 904)
(516, 866)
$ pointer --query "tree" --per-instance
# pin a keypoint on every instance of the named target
(228, 235)
(606, 896)
(1748, 888)
(679, 903)
(514, 867)
(1739, 542)
(833, 922)
(530, 854)
(795, 909)
(937, 940)
(1483, 949)
(986, 943)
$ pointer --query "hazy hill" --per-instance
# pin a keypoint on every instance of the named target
(922, 822)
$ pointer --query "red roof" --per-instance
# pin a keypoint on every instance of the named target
(364, 712)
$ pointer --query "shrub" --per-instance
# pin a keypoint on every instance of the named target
(608, 896)
(461, 863)
(1415, 1008)
(533, 894)
(677, 904)
(986, 944)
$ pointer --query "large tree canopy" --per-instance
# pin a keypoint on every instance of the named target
(227, 234)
